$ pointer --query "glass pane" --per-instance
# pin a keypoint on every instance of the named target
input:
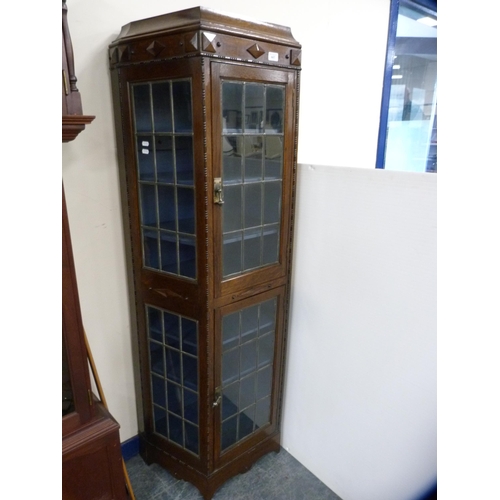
(151, 253)
(175, 432)
(168, 245)
(254, 108)
(142, 108)
(191, 436)
(270, 248)
(253, 159)
(228, 435)
(231, 210)
(274, 109)
(264, 382)
(162, 108)
(155, 324)
(252, 248)
(266, 349)
(267, 316)
(249, 323)
(159, 393)
(173, 365)
(232, 169)
(248, 361)
(165, 159)
(253, 205)
(172, 334)
(191, 406)
(262, 412)
(156, 357)
(231, 253)
(273, 157)
(148, 204)
(232, 100)
(230, 331)
(160, 420)
(184, 160)
(145, 158)
(230, 366)
(272, 202)
(190, 372)
(230, 400)
(411, 135)
(174, 392)
(189, 334)
(245, 424)
(185, 206)
(247, 391)
(182, 106)
(166, 206)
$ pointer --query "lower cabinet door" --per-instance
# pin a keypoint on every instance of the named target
(248, 350)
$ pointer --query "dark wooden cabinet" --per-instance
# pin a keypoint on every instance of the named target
(206, 110)
(91, 454)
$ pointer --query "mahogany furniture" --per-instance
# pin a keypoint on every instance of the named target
(206, 111)
(91, 455)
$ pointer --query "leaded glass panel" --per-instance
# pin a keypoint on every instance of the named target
(165, 169)
(252, 175)
(173, 346)
(248, 337)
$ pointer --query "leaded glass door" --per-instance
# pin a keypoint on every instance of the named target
(252, 175)
(248, 350)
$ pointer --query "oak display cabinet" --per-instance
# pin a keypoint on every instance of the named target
(206, 110)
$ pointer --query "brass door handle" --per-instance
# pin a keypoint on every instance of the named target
(218, 195)
(218, 397)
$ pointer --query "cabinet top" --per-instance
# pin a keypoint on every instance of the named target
(202, 18)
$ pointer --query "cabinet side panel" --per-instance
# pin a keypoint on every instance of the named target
(119, 124)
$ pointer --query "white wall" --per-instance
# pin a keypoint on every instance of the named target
(360, 404)
(376, 357)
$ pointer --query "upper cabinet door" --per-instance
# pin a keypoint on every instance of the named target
(253, 169)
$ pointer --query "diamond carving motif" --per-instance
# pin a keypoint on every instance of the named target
(123, 54)
(255, 50)
(191, 42)
(295, 57)
(208, 42)
(155, 48)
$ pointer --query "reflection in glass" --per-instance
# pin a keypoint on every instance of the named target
(142, 108)
(162, 109)
(166, 207)
(247, 363)
(165, 166)
(232, 102)
(173, 341)
(252, 169)
(183, 115)
(168, 247)
(150, 247)
(231, 253)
